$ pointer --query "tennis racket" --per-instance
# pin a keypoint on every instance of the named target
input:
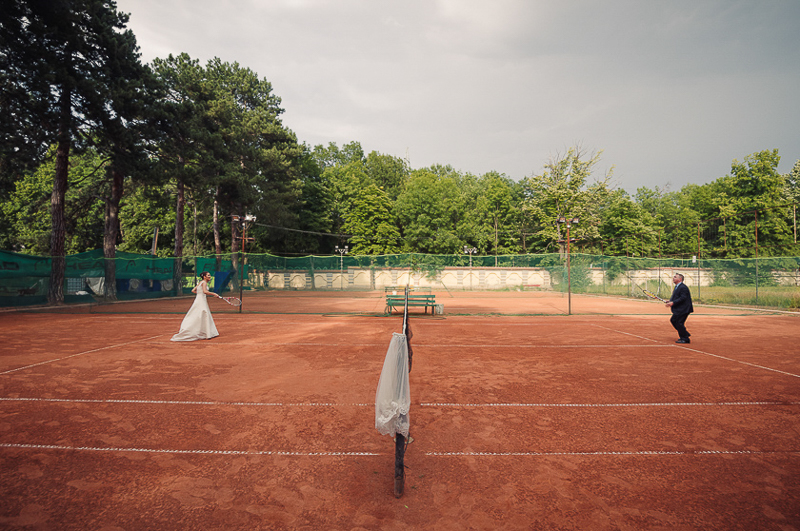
(233, 301)
(647, 292)
(652, 295)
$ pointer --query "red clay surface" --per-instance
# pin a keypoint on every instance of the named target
(454, 303)
(520, 422)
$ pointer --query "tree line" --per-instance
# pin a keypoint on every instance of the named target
(100, 150)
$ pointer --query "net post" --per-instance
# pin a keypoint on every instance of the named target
(405, 312)
(399, 464)
(399, 438)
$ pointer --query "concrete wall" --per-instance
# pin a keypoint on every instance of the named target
(692, 276)
(456, 278)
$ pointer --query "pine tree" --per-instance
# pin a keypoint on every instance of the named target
(62, 60)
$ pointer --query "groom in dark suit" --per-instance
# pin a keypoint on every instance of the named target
(681, 305)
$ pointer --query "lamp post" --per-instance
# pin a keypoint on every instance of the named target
(342, 252)
(470, 251)
(569, 223)
(244, 223)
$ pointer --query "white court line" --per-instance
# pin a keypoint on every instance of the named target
(179, 402)
(135, 319)
(643, 404)
(422, 404)
(167, 451)
(214, 341)
(602, 454)
(79, 354)
(531, 345)
(739, 361)
(438, 322)
(626, 333)
(373, 454)
(706, 353)
(447, 345)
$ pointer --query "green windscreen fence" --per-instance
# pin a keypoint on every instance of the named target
(772, 281)
(25, 279)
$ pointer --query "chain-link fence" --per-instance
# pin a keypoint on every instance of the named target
(773, 281)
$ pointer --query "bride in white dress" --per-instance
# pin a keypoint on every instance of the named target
(198, 323)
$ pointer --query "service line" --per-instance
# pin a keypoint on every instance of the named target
(365, 404)
(172, 451)
(706, 353)
(634, 404)
(294, 453)
(644, 453)
(179, 402)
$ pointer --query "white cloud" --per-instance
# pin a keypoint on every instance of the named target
(671, 91)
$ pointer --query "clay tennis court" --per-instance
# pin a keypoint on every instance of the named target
(522, 417)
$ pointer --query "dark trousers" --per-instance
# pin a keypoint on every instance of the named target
(678, 321)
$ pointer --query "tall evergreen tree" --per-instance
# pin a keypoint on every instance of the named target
(258, 158)
(126, 132)
(61, 58)
(186, 128)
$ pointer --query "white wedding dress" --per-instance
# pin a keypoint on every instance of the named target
(198, 323)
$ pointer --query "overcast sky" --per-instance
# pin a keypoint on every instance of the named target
(670, 91)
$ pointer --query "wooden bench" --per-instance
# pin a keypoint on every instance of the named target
(399, 301)
(399, 290)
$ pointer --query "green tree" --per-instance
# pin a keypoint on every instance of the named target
(627, 227)
(674, 221)
(756, 192)
(259, 159)
(793, 184)
(226, 146)
(24, 90)
(125, 135)
(333, 155)
(370, 223)
(344, 182)
(62, 58)
(145, 209)
(387, 172)
(498, 215)
(310, 213)
(29, 219)
(184, 146)
(428, 212)
(344, 173)
(563, 190)
(467, 211)
(755, 183)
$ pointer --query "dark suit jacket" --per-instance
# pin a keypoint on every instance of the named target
(682, 300)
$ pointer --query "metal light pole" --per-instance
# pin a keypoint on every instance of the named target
(569, 223)
(470, 251)
(245, 223)
(342, 252)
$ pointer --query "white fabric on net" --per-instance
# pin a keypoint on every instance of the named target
(393, 398)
